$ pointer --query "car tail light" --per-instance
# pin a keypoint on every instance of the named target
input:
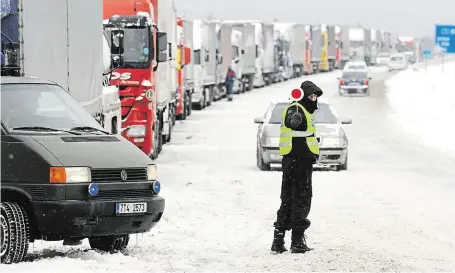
(341, 82)
(365, 82)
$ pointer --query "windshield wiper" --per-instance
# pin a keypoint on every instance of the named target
(42, 129)
(88, 129)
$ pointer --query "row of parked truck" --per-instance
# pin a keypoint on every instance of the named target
(137, 66)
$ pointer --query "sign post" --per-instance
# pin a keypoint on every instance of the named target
(426, 56)
(445, 40)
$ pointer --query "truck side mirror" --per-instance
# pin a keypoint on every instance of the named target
(161, 42)
(187, 55)
(162, 57)
(117, 41)
(117, 61)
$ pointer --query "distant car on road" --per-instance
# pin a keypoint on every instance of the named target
(356, 65)
(398, 61)
(382, 59)
(354, 82)
(332, 138)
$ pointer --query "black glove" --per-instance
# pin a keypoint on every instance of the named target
(296, 119)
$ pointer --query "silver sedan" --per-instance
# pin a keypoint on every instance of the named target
(332, 137)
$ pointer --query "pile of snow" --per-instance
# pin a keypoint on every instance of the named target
(424, 101)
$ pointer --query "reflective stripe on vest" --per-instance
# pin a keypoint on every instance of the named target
(286, 134)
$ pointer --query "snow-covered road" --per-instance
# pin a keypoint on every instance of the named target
(393, 210)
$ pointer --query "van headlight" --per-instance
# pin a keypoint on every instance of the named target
(152, 172)
(63, 175)
(136, 131)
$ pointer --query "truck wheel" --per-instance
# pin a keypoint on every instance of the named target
(210, 96)
(171, 126)
(188, 106)
(15, 233)
(111, 243)
(156, 140)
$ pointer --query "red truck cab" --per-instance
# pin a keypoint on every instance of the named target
(135, 76)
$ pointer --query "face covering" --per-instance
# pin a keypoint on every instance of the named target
(310, 104)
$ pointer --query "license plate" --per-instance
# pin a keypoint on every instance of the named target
(124, 208)
(354, 84)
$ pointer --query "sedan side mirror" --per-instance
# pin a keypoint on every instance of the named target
(258, 121)
(346, 121)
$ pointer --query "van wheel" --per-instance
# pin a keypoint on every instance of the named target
(343, 167)
(114, 126)
(111, 243)
(15, 233)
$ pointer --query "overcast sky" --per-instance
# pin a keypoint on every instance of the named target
(401, 17)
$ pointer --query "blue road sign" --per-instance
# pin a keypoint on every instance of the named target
(445, 38)
(427, 53)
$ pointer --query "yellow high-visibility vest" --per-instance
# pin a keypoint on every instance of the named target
(287, 134)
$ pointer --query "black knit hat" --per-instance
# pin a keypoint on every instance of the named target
(309, 88)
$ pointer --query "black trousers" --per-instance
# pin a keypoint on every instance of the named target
(296, 194)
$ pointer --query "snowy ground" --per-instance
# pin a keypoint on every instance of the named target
(391, 211)
(424, 100)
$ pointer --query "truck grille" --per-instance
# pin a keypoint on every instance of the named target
(114, 175)
(124, 194)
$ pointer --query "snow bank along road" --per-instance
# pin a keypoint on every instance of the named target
(392, 210)
(436, 82)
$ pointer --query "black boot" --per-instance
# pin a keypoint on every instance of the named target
(298, 244)
(278, 241)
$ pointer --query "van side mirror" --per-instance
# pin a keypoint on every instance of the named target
(117, 47)
(187, 55)
(258, 121)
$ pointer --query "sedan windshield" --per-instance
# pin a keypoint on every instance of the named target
(42, 105)
(354, 74)
(323, 115)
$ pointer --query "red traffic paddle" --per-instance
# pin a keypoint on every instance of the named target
(297, 95)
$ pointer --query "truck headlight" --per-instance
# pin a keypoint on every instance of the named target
(136, 131)
(63, 175)
(272, 141)
(152, 172)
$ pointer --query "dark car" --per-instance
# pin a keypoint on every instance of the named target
(354, 82)
(64, 178)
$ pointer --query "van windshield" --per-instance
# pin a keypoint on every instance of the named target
(42, 105)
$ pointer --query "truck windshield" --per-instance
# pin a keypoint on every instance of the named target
(42, 105)
(137, 53)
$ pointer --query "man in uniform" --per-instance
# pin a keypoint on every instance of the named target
(300, 150)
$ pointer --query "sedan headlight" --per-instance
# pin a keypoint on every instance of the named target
(152, 172)
(272, 141)
(63, 175)
(333, 142)
(136, 131)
